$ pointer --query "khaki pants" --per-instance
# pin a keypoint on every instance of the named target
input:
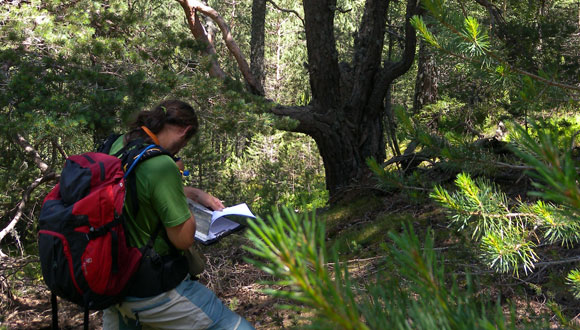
(189, 306)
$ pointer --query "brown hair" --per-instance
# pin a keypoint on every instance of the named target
(174, 112)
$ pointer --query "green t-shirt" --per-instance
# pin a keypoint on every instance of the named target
(161, 198)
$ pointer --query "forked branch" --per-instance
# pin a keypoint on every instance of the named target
(200, 34)
(191, 8)
(20, 208)
(47, 174)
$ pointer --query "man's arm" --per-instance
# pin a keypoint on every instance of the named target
(199, 195)
(203, 198)
(168, 200)
(182, 236)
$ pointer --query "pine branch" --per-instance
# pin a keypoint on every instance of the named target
(420, 26)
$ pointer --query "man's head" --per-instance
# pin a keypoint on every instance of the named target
(174, 123)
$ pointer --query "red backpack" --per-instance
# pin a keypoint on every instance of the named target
(82, 246)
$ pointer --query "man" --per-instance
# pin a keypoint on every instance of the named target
(161, 196)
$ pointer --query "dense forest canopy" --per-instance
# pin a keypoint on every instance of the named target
(467, 105)
(74, 72)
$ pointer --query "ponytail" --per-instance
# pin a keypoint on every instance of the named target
(173, 112)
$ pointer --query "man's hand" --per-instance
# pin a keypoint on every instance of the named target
(203, 198)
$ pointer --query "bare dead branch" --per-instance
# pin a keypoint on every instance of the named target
(557, 262)
(20, 208)
(60, 149)
(343, 10)
(286, 10)
(408, 157)
(512, 166)
(535, 265)
(21, 141)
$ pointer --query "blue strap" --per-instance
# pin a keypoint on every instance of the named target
(137, 160)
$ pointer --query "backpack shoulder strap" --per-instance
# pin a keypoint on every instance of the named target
(132, 154)
(105, 147)
(137, 151)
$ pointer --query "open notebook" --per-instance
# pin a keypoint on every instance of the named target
(213, 225)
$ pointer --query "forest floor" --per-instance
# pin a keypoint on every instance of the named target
(357, 230)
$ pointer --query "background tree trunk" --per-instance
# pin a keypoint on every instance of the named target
(427, 78)
(257, 41)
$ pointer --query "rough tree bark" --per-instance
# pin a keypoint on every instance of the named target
(345, 115)
(257, 41)
(427, 80)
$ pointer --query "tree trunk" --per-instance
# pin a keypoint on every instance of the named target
(345, 115)
(257, 41)
(427, 78)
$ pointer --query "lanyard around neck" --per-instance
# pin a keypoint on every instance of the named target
(151, 135)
